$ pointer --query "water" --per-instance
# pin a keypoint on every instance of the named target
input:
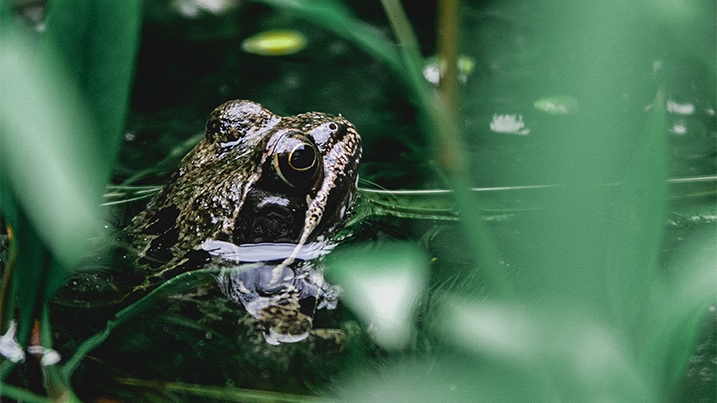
(523, 106)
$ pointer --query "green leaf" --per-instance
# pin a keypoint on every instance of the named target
(556, 350)
(637, 222)
(61, 121)
(96, 41)
(382, 284)
(679, 304)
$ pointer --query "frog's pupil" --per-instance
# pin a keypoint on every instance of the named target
(302, 157)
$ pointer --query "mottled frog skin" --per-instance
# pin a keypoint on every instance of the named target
(258, 189)
(254, 178)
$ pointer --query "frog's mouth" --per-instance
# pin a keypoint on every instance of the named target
(269, 218)
(276, 224)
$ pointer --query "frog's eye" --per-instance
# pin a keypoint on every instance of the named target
(296, 160)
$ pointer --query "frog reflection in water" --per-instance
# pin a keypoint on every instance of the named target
(257, 184)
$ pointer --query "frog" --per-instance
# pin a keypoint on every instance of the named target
(254, 178)
(257, 181)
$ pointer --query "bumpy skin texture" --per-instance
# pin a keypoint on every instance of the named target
(231, 187)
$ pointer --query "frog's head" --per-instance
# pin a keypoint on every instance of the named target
(306, 176)
(254, 178)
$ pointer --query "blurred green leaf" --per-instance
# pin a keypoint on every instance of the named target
(56, 156)
(444, 130)
(637, 221)
(96, 42)
(570, 356)
(55, 201)
(382, 284)
(678, 306)
(61, 121)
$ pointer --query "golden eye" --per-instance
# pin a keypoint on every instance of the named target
(296, 160)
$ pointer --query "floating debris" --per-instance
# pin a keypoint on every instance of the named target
(679, 128)
(510, 124)
(48, 355)
(680, 109)
(195, 8)
(275, 43)
(9, 348)
(557, 105)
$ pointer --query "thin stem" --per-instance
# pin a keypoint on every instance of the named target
(184, 281)
(224, 393)
(449, 153)
(6, 281)
(448, 52)
(18, 394)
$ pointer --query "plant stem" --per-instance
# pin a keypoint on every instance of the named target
(448, 23)
(21, 394)
(449, 153)
(223, 393)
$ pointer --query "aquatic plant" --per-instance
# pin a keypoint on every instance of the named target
(582, 301)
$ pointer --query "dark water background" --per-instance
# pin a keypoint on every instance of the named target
(188, 65)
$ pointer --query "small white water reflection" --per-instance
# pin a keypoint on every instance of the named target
(509, 124)
(557, 104)
(281, 298)
(194, 8)
(264, 252)
(680, 109)
(13, 351)
(435, 68)
(656, 67)
(679, 128)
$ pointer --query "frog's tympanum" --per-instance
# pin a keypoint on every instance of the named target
(257, 188)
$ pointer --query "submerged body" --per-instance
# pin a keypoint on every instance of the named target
(257, 188)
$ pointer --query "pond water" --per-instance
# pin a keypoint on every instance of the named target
(521, 105)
